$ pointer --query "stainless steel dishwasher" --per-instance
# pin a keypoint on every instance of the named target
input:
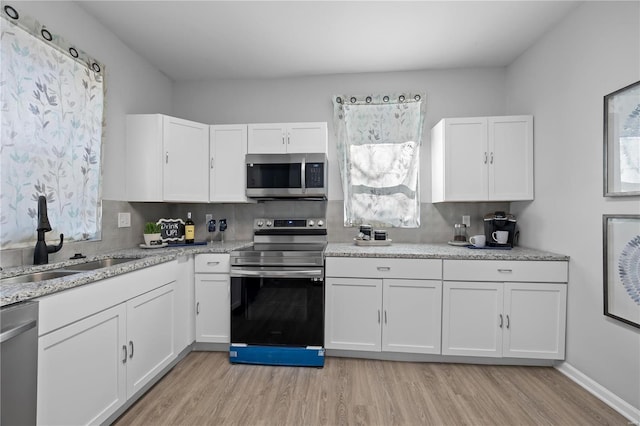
(18, 364)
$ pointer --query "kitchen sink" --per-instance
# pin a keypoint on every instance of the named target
(97, 264)
(36, 276)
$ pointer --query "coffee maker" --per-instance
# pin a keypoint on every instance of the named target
(500, 221)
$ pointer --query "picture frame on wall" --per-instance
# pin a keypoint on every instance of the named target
(621, 249)
(622, 142)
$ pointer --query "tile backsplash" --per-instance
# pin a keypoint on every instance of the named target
(436, 224)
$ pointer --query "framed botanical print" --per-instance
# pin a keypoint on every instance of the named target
(621, 240)
(622, 142)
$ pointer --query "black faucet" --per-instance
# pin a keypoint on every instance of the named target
(42, 250)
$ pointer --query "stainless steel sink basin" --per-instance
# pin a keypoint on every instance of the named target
(97, 264)
(36, 276)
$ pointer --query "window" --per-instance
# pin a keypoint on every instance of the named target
(378, 141)
(52, 97)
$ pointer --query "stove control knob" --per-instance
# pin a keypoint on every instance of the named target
(310, 222)
(269, 223)
(260, 223)
(321, 223)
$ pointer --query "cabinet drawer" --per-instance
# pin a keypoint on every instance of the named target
(212, 263)
(505, 270)
(377, 267)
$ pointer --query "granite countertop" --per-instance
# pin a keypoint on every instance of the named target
(18, 292)
(439, 251)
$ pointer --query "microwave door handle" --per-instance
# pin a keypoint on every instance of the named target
(303, 172)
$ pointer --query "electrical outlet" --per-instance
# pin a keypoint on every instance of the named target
(466, 220)
(124, 220)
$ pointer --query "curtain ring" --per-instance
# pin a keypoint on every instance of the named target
(385, 99)
(73, 52)
(95, 67)
(368, 100)
(353, 100)
(401, 98)
(46, 34)
(11, 12)
(416, 97)
(339, 100)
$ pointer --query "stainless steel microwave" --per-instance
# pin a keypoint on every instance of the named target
(272, 176)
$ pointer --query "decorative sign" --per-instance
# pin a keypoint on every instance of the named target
(171, 230)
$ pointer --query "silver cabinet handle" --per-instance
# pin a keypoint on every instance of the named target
(500, 320)
(385, 316)
(288, 138)
(166, 157)
(491, 162)
(198, 308)
(131, 347)
(508, 321)
(11, 333)
(378, 316)
(124, 349)
(505, 271)
(283, 139)
(213, 263)
(485, 157)
(211, 162)
(384, 268)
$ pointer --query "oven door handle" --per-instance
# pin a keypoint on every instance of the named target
(278, 274)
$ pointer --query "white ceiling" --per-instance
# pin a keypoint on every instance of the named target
(192, 40)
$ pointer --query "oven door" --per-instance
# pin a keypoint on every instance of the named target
(277, 306)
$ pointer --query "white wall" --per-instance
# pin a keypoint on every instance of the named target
(133, 85)
(562, 81)
(450, 93)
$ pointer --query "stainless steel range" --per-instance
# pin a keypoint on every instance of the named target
(277, 294)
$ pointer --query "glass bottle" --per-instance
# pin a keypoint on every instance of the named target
(189, 230)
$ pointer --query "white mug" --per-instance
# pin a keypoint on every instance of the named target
(500, 237)
(478, 240)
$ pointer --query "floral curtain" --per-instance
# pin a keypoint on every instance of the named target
(378, 143)
(51, 134)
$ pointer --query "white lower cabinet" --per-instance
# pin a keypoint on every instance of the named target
(82, 371)
(213, 305)
(386, 314)
(486, 318)
(101, 343)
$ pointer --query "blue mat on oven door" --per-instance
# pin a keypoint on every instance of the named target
(311, 356)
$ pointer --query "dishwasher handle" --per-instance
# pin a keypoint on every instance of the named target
(15, 331)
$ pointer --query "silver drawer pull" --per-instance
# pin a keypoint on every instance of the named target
(384, 268)
(505, 271)
(213, 263)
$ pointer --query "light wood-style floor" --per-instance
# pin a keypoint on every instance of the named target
(204, 389)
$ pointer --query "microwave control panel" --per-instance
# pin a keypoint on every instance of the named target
(314, 175)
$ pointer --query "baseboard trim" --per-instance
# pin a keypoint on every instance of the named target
(605, 395)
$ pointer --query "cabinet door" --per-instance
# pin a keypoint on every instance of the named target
(535, 320)
(228, 172)
(213, 309)
(307, 137)
(186, 160)
(511, 158)
(353, 314)
(81, 370)
(266, 138)
(465, 159)
(150, 335)
(472, 318)
(411, 316)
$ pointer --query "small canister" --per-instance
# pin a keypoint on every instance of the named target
(366, 231)
(380, 234)
(460, 232)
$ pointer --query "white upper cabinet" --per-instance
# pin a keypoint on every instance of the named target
(482, 159)
(228, 172)
(167, 159)
(278, 138)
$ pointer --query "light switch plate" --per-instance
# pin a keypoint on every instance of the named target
(466, 220)
(124, 220)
